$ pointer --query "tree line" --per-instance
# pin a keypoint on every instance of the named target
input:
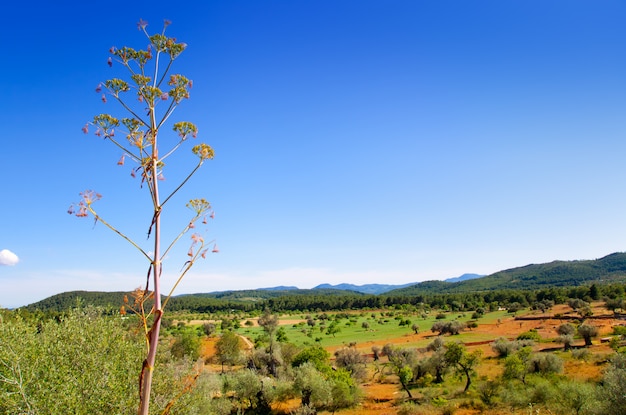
(312, 301)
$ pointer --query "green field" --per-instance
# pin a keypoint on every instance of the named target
(381, 328)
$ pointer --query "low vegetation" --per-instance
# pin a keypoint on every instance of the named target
(404, 358)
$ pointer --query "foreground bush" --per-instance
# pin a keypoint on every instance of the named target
(613, 390)
(82, 364)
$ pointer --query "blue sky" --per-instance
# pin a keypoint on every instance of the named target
(356, 141)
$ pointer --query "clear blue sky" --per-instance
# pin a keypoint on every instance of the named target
(356, 141)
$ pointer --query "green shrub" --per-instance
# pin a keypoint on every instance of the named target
(529, 335)
(581, 354)
(619, 330)
(576, 397)
(543, 391)
(488, 391)
(545, 363)
(614, 385)
(316, 355)
(504, 347)
(186, 344)
(84, 359)
(439, 401)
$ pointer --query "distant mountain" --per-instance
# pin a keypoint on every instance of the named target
(610, 268)
(280, 288)
(532, 277)
(464, 277)
(365, 289)
(263, 293)
(384, 288)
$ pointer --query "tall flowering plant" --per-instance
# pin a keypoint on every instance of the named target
(149, 99)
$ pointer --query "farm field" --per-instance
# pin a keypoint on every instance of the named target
(404, 360)
(383, 394)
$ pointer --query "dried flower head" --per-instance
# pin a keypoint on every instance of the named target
(89, 196)
(204, 151)
(185, 128)
(82, 210)
(199, 205)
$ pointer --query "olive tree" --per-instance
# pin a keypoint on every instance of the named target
(353, 361)
(545, 363)
(464, 362)
(452, 327)
(517, 365)
(566, 329)
(228, 349)
(587, 332)
(566, 340)
(402, 361)
(250, 390)
(149, 100)
(273, 358)
(314, 389)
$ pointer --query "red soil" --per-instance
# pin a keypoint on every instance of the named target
(382, 398)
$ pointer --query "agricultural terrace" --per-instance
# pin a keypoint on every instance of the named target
(366, 331)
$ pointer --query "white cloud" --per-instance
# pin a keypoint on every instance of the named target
(8, 258)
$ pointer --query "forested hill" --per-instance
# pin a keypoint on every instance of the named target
(531, 277)
(611, 268)
(242, 299)
(71, 299)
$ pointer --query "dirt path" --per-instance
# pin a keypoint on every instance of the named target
(247, 342)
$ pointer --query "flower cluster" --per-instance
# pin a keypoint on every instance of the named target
(185, 128)
(88, 197)
(204, 151)
(200, 206)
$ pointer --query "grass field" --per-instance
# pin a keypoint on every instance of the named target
(381, 329)
(383, 394)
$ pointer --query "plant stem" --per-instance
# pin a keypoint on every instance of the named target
(153, 333)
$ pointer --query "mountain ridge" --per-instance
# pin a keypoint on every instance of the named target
(557, 273)
(610, 268)
(384, 288)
